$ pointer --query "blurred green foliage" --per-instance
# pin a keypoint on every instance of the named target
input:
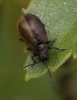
(12, 58)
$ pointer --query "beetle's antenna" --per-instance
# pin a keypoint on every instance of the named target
(51, 76)
(28, 66)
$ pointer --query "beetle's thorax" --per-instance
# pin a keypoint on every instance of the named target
(41, 49)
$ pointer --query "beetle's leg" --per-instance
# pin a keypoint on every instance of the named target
(52, 41)
(33, 57)
(35, 62)
(20, 39)
(56, 48)
(29, 65)
(28, 49)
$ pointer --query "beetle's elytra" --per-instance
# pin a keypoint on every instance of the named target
(33, 34)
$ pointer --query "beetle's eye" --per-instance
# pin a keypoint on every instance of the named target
(39, 49)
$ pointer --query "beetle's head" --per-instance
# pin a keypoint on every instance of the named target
(41, 51)
(43, 58)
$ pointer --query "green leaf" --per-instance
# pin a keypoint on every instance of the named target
(60, 19)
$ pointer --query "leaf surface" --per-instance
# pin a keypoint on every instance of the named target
(60, 19)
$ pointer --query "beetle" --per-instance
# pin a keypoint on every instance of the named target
(33, 34)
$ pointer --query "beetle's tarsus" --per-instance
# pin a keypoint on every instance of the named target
(28, 49)
(62, 49)
(33, 58)
(34, 63)
(28, 66)
(56, 48)
(20, 39)
(52, 41)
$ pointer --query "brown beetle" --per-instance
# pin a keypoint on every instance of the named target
(33, 33)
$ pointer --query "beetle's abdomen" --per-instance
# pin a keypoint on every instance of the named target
(37, 27)
(26, 33)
